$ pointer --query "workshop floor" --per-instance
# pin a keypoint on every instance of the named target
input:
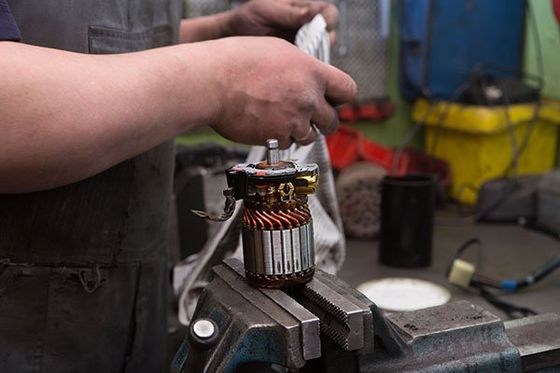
(509, 251)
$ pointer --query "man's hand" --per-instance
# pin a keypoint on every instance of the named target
(73, 115)
(267, 88)
(281, 18)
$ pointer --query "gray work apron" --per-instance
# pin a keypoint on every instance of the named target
(83, 271)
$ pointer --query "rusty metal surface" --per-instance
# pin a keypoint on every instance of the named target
(269, 325)
(276, 326)
(346, 316)
(537, 339)
(309, 323)
(251, 326)
(342, 319)
(444, 320)
(456, 337)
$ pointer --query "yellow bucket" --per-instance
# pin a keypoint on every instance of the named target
(477, 142)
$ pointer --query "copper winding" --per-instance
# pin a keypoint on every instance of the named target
(291, 218)
(278, 218)
(248, 219)
(262, 221)
(271, 219)
(304, 215)
(276, 222)
(305, 208)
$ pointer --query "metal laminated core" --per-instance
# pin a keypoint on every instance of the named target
(278, 252)
(278, 240)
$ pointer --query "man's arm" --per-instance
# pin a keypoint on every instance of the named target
(281, 18)
(66, 116)
(205, 28)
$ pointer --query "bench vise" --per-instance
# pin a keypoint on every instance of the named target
(327, 326)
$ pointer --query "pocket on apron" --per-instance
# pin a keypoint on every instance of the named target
(56, 319)
(104, 40)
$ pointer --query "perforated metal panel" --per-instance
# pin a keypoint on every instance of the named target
(361, 48)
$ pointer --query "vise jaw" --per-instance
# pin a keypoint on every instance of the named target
(327, 326)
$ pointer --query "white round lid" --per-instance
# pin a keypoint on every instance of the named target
(404, 294)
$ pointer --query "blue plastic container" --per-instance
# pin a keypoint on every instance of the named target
(442, 40)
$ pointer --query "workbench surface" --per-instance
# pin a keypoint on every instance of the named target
(509, 251)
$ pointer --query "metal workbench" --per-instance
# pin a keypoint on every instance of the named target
(510, 251)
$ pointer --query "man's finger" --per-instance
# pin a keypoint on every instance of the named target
(289, 16)
(298, 3)
(327, 10)
(304, 134)
(285, 143)
(325, 118)
(332, 37)
(340, 87)
(330, 13)
(311, 9)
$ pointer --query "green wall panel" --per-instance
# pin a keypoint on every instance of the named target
(548, 32)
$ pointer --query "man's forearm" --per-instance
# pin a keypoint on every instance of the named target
(205, 28)
(67, 116)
